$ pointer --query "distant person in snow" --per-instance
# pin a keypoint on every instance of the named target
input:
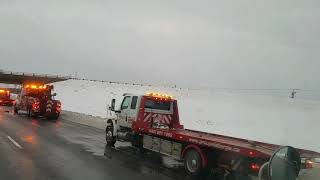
(293, 94)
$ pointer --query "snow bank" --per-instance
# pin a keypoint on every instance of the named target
(269, 119)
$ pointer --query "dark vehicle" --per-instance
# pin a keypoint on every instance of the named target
(37, 100)
(306, 163)
(5, 99)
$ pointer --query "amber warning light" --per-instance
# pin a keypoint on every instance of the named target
(33, 86)
(4, 91)
(159, 95)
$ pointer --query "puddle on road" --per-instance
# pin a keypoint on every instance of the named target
(6, 109)
(310, 174)
(146, 162)
(129, 157)
(126, 155)
(90, 143)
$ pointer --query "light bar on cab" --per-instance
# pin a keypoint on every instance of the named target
(159, 95)
(34, 86)
(4, 91)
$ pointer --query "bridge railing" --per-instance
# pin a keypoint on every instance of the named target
(34, 74)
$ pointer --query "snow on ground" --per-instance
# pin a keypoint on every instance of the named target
(278, 120)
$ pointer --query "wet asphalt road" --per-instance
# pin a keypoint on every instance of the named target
(47, 150)
(68, 151)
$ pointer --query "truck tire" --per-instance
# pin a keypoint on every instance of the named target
(193, 163)
(16, 110)
(33, 115)
(263, 173)
(53, 117)
(111, 140)
(29, 113)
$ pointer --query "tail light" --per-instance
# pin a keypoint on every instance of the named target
(58, 107)
(255, 167)
(35, 105)
(309, 164)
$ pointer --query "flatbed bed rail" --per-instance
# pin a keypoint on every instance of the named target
(245, 147)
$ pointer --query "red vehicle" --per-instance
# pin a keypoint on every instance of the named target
(306, 163)
(5, 98)
(151, 122)
(37, 100)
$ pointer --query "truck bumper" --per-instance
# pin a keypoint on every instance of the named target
(6, 103)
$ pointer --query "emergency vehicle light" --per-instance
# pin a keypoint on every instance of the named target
(309, 162)
(159, 95)
(33, 86)
(255, 167)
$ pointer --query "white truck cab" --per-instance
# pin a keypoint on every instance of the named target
(149, 107)
(128, 110)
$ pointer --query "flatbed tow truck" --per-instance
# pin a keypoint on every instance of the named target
(151, 122)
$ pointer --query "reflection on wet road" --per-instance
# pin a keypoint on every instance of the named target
(65, 150)
(310, 174)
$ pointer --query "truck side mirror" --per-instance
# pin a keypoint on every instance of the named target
(284, 164)
(54, 94)
(113, 104)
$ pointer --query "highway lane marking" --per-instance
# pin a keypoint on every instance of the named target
(14, 142)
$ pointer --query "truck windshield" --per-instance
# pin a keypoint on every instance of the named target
(158, 105)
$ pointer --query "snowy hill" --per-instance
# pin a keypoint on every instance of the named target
(278, 120)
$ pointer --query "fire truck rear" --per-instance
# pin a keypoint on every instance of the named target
(38, 100)
(5, 98)
(151, 122)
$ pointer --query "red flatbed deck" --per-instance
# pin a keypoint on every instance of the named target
(226, 143)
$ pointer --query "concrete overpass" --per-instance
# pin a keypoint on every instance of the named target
(9, 77)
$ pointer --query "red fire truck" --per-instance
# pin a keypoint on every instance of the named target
(5, 98)
(37, 100)
(151, 122)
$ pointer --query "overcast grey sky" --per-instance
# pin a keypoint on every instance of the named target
(239, 43)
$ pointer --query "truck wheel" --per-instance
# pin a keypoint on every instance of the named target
(193, 162)
(15, 110)
(33, 115)
(109, 136)
(263, 173)
(54, 117)
(29, 113)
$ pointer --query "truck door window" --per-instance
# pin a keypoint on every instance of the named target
(134, 102)
(125, 102)
(23, 92)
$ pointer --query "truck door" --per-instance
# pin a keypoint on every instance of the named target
(128, 111)
(22, 100)
(124, 108)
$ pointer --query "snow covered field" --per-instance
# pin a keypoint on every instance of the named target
(271, 119)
